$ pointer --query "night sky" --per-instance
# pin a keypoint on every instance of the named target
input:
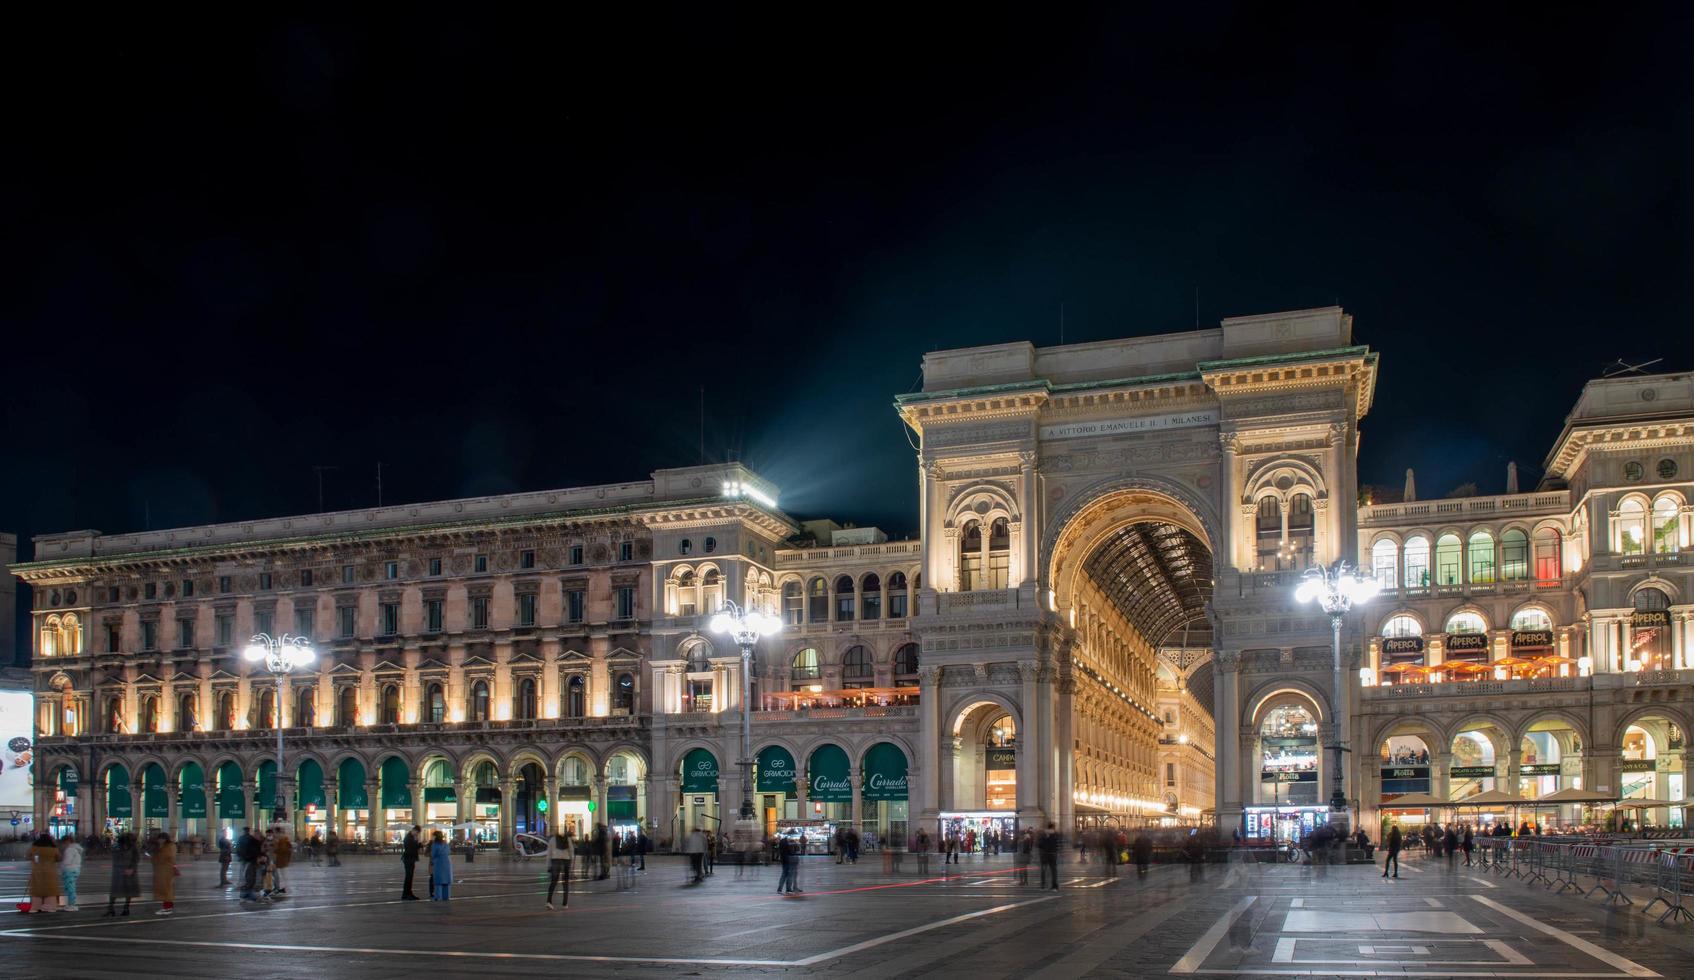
(501, 255)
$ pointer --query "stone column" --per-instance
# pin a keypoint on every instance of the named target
(500, 698)
(1440, 774)
(1230, 764)
(599, 798)
(929, 740)
(1029, 749)
(1063, 777)
(464, 799)
(551, 787)
(550, 694)
(332, 804)
(420, 810)
(376, 821)
(508, 803)
(855, 774)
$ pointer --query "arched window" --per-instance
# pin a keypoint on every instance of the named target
(149, 714)
(1401, 625)
(267, 708)
(1531, 618)
(70, 633)
(906, 665)
(391, 705)
(305, 708)
(1548, 560)
(226, 711)
(623, 695)
(479, 701)
(687, 595)
(843, 599)
(856, 670)
(711, 591)
(804, 666)
(576, 697)
(347, 707)
(1385, 562)
(187, 718)
(115, 714)
(699, 658)
(970, 557)
(1481, 551)
(48, 643)
(1300, 523)
(999, 554)
(1649, 643)
(1666, 539)
(1466, 622)
(525, 708)
(1448, 554)
(897, 596)
(1268, 525)
(793, 608)
(1417, 562)
(437, 701)
(1632, 527)
(1514, 556)
(817, 601)
(871, 588)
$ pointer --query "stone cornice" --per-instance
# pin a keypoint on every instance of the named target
(1575, 443)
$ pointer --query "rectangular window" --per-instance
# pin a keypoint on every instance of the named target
(225, 624)
(347, 574)
(576, 554)
(526, 609)
(305, 621)
(185, 634)
(114, 639)
(305, 578)
(1170, 774)
(391, 570)
(346, 619)
(112, 594)
(223, 584)
(526, 559)
(624, 601)
(261, 621)
(435, 566)
(149, 635)
(390, 618)
(481, 563)
(626, 551)
(149, 591)
(897, 604)
(432, 615)
(576, 605)
(479, 613)
(264, 581)
(188, 588)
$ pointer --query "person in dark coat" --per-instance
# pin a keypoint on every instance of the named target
(1142, 851)
(1393, 858)
(226, 854)
(126, 874)
(248, 850)
(409, 849)
(1469, 845)
(1049, 846)
(1450, 845)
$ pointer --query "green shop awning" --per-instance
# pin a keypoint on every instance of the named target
(350, 785)
(828, 776)
(440, 794)
(266, 795)
(232, 801)
(192, 801)
(309, 786)
(699, 772)
(776, 771)
(119, 800)
(620, 804)
(885, 772)
(156, 800)
(396, 784)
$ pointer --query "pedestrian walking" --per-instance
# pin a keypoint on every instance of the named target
(1468, 844)
(46, 889)
(789, 849)
(1049, 845)
(164, 873)
(284, 849)
(560, 847)
(226, 853)
(1026, 852)
(1195, 853)
(694, 845)
(852, 846)
(1142, 851)
(1450, 845)
(643, 844)
(440, 868)
(249, 850)
(332, 849)
(70, 869)
(1393, 858)
(409, 849)
(603, 855)
(921, 846)
(126, 874)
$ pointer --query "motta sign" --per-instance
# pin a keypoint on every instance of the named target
(1466, 642)
(1413, 772)
(1531, 638)
(1472, 772)
(1402, 644)
(1118, 427)
(1283, 776)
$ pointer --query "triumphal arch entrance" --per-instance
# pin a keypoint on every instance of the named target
(1092, 513)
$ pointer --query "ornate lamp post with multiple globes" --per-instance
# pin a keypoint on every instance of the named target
(281, 654)
(746, 626)
(1337, 588)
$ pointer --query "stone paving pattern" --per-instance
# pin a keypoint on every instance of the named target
(867, 920)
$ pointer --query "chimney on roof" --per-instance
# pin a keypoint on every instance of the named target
(1411, 487)
(1511, 477)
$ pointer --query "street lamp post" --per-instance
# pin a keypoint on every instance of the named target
(1337, 588)
(746, 626)
(281, 654)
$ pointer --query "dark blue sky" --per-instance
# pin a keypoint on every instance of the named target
(502, 254)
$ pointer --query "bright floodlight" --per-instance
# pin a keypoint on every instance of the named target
(746, 626)
(280, 653)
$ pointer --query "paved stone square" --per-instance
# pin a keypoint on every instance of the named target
(976, 921)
